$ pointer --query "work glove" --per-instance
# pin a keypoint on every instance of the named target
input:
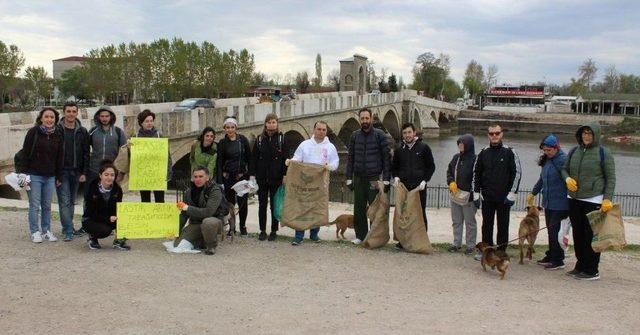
(606, 205)
(182, 206)
(530, 199)
(387, 186)
(476, 196)
(22, 180)
(326, 167)
(511, 199)
(286, 162)
(350, 184)
(572, 184)
(252, 179)
(422, 186)
(453, 187)
(396, 182)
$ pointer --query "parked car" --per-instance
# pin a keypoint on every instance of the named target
(202, 104)
(375, 92)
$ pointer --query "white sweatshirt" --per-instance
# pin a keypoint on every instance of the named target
(309, 151)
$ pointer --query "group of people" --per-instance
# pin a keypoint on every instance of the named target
(60, 153)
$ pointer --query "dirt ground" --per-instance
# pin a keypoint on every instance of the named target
(274, 288)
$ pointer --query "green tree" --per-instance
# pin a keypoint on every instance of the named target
(629, 84)
(473, 79)
(451, 91)
(317, 81)
(302, 81)
(74, 82)
(393, 84)
(11, 61)
(39, 82)
(430, 73)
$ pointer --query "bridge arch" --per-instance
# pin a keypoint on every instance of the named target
(346, 130)
(292, 140)
(391, 123)
(416, 120)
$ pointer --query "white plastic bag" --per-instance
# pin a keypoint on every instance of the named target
(18, 181)
(563, 234)
(244, 186)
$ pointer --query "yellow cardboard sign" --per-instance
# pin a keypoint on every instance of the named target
(149, 159)
(138, 220)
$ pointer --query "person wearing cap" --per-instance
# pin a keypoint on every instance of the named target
(105, 140)
(316, 150)
(234, 155)
(554, 198)
(147, 128)
(590, 176)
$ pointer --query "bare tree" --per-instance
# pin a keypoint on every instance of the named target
(491, 76)
(611, 83)
(333, 79)
(588, 72)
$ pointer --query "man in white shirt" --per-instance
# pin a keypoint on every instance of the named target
(316, 150)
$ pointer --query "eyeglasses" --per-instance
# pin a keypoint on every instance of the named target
(495, 133)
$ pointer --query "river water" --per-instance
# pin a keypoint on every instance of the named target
(627, 158)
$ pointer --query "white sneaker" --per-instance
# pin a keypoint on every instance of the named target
(50, 237)
(36, 237)
(356, 241)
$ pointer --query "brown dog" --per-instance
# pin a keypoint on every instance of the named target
(342, 222)
(493, 258)
(528, 231)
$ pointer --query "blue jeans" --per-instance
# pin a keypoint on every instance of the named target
(313, 233)
(40, 197)
(67, 198)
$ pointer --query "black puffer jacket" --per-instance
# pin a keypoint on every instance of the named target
(80, 145)
(496, 172)
(369, 155)
(267, 159)
(463, 175)
(413, 164)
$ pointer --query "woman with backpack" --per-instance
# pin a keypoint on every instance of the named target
(590, 176)
(234, 155)
(268, 168)
(554, 199)
(147, 128)
(41, 159)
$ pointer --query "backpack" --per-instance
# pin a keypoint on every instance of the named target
(94, 128)
(280, 140)
(223, 208)
(21, 159)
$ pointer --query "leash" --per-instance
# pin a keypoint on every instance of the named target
(519, 237)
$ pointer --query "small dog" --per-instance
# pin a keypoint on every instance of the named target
(494, 258)
(342, 222)
(528, 231)
(228, 220)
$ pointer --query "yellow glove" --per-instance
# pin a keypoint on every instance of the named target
(572, 184)
(530, 199)
(606, 205)
(453, 187)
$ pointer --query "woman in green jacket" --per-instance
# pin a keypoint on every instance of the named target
(204, 151)
(589, 173)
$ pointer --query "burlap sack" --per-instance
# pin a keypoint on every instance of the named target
(378, 213)
(608, 229)
(306, 200)
(408, 223)
(122, 160)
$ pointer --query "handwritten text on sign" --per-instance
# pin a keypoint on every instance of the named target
(147, 220)
(149, 159)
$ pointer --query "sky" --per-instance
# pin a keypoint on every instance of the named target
(529, 41)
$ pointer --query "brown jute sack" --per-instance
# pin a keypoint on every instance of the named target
(306, 201)
(378, 213)
(608, 229)
(122, 160)
(408, 223)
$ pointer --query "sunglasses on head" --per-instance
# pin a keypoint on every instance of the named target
(494, 133)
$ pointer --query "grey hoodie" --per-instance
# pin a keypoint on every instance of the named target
(105, 144)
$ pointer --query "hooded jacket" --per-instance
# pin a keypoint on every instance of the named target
(47, 157)
(368, 155)
(551, 183)
(105, 144)
(413, 163)
(496, 173)
(267, 159)
(206, 205)
(80, 146)
(310, 151)
(583, 165)
(463, 173)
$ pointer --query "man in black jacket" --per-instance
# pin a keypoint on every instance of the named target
(75, 166)
(496, 178)
(413, 164)
(368, 159)
(268, 167)
(202, 209)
